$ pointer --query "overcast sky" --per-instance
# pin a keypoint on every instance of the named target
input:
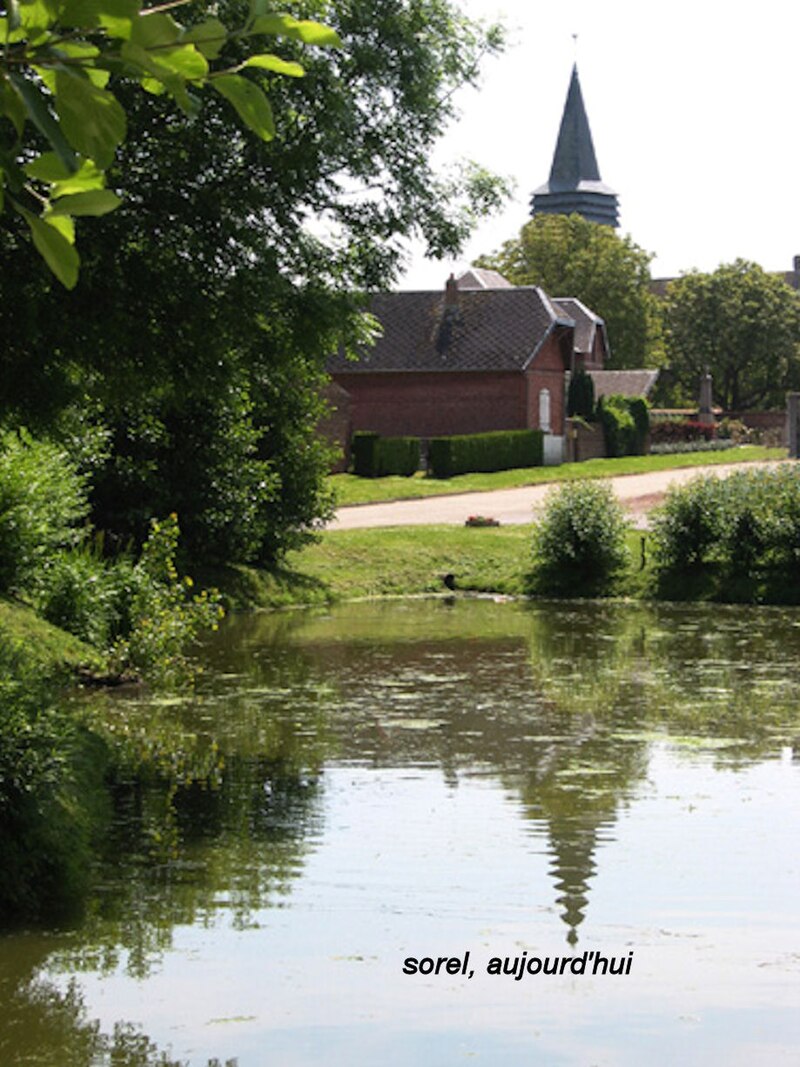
(693, 108)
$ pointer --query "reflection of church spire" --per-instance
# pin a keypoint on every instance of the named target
(572, 867)
(574, 186)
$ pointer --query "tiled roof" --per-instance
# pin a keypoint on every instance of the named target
(482, 329)
(586, 322)
(623, 382)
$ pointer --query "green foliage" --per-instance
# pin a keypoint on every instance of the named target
(56, 61)
(47, 768)
(164, 617)
(688, 524)
(741, 325)
(747, 523)
(579, 541)
(501, 450)
(364, 449)
(42, 500)
(206, 306)
(568, 256)
(376, 457)
(580, 396)
(625, 421)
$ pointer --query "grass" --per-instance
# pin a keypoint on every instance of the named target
(413, 560)
(402, 561)
(45, 649)
(352, 490)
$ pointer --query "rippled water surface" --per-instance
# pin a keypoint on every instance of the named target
(552, 786)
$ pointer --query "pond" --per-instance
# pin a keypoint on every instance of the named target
(583, 816)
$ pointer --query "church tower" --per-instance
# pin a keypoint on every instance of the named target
(575, 186)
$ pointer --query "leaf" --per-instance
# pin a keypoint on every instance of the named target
(88, 177)
(208, 37)
(185, 61)
(116, 17)
(11, 106)
(36, 16)
(40, 115)
(83, 50)
(62, 223)
(153, 31)
(54, 248)
(280, 66)
(95, 202)
(47, 168)
(298, 29)
(92, 119)
(251, 105)
(169, 77)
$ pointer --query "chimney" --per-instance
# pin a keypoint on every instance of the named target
(451, 292)
(796, 264)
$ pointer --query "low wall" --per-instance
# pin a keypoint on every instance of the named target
(583, 442)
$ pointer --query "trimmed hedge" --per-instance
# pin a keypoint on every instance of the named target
(375, 456)
(625, 421)
(498, 451)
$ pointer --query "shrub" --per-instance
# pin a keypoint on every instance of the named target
(579, 542)
(86, 595)
(398, 455)
(498, 451)
(161, 617)
(689, 523)
(626, 422)
(375, 456)
(364, 449)
(669, 431)
(580, 396)
(42, 500)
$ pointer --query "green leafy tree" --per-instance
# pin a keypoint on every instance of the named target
(568, 256)
(741, 325)
(210, 298)
(60, 62)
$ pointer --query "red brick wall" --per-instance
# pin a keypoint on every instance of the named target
(548, 373)
(432, 404)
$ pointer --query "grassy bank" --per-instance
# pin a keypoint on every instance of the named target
(396, 561)
(46, 651)
(352, 490)
(412, 561)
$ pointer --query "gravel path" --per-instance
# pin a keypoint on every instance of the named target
(638, 492)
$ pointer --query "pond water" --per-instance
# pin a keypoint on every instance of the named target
(349, 795)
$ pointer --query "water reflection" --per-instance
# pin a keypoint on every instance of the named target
(242, 800)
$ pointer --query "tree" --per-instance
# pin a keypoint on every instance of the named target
(210, 299)
(742, 326)
(64, 124)
(568, 256)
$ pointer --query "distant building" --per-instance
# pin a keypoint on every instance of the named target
(574, 186)
(482, 355)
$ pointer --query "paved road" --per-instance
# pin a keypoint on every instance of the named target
(638, 492)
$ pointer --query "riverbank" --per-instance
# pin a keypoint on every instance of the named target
(39, 649)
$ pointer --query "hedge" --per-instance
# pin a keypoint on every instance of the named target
(498, 451)
(625, 421)
(375, 456)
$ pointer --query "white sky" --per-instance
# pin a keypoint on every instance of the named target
(693, 108)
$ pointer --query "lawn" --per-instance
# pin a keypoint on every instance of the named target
(352, 490)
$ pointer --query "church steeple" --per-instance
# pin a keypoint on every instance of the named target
(575, 185)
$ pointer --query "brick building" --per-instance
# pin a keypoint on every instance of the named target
(482, 355)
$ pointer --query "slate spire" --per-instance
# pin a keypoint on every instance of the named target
(574, 185)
